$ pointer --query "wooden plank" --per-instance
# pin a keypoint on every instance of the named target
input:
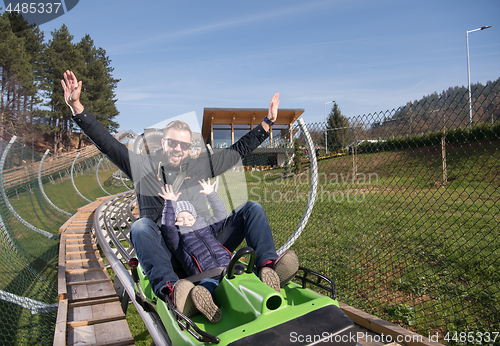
(82, 239)
(119, 342)
(90, 282)
(61, 269)
(80, 256)
(113, 333)
(94, 302)
(70, 301)
(81, 252)
(84, 225)
(101, 290)
(90, 276)
(78, 231)
(82, 292)
(106, 309)
(82, 336)
(80, 247)
(84, 270)
(78, 237)
(84, 260)
(383, 327)
(71, 267)
(60, 330)
(93, 321)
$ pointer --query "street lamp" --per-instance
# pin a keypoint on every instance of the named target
(326, 127)
(468, 70)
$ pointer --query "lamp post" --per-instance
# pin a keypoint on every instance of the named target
(326, 128)
(468, 70)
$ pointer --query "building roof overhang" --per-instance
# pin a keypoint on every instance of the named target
(253, 116)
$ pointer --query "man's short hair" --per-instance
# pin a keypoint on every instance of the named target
(177, 125)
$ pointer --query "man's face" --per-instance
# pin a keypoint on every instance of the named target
(176, 146)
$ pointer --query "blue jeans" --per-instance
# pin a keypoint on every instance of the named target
(248, 222)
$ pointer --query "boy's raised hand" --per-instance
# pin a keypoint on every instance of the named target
(207, 188)
(167, 192)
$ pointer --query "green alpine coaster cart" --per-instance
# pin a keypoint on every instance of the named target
(252, 312)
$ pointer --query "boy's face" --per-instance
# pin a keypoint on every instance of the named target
(185, 218)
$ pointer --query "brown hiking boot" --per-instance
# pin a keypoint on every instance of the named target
(270, 278)
(180, 296)
(203, 301)
(286, 266)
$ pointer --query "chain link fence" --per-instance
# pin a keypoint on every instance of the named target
(38, 196)
(406, 219)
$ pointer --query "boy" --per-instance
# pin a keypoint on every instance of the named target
(192, 241)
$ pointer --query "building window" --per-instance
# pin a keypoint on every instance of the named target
(222, 135)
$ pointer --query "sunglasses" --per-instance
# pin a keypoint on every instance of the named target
(172, 143)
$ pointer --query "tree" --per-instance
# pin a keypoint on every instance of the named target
(61, 55)
(98, 96)
(337, 129)
(297, 157)
(32, 38)
(30, 72)
(16, 74)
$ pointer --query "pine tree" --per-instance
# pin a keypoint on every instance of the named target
(98, 96)
(32, 38)
(337, 129)
(16, 74)
(61, 55)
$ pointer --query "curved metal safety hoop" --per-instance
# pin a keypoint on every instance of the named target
(123, 182)
(41, 186)
(73, 181)
(34, 306)
(97, 177)
(6, 200)
(312, 192)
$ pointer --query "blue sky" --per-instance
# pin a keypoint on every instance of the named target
(175, 57)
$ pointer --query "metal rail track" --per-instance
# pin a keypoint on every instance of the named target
(112, 221)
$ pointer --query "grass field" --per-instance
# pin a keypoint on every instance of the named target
(417, 253)
(399, 242)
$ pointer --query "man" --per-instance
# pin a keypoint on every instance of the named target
(173, 166)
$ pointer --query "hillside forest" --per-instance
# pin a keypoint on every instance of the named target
(32, 104)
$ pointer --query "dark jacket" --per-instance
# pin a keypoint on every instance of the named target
(196, 247)
(143, 169)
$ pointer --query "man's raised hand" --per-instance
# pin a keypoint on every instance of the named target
(72, 89)
(272, 113)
